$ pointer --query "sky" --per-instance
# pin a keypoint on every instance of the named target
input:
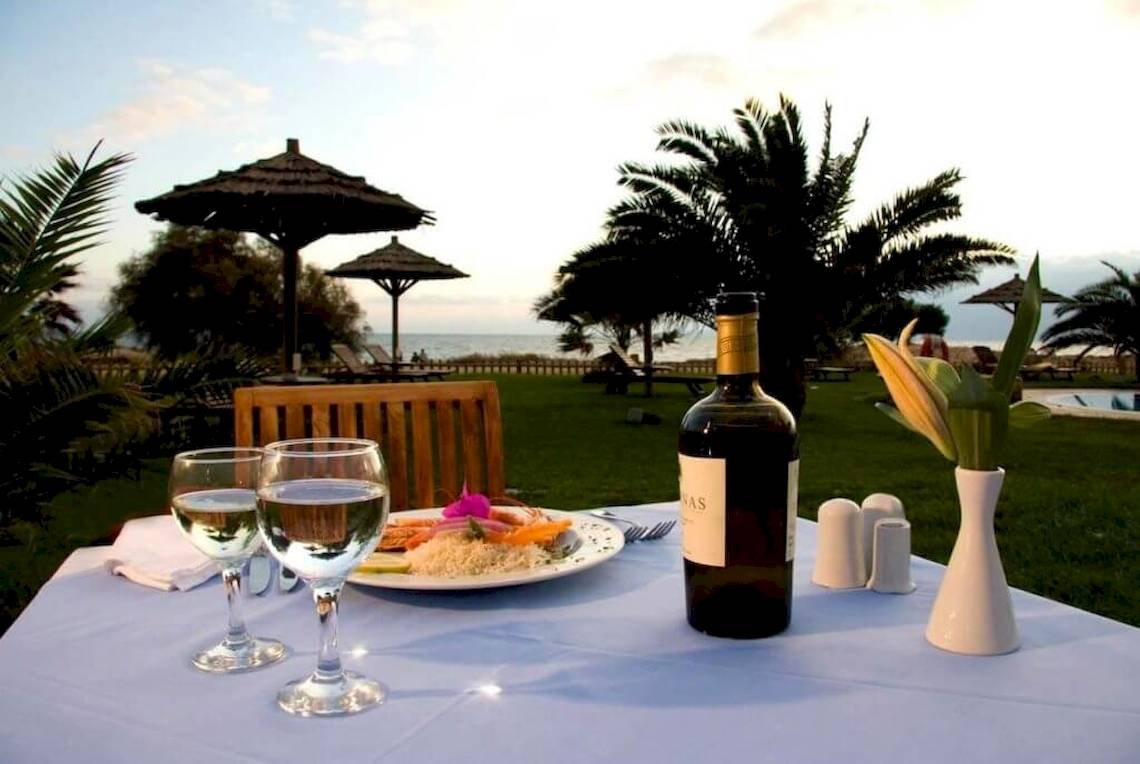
(508, 118)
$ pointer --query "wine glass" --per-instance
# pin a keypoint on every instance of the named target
(321, 506)
(213, 496)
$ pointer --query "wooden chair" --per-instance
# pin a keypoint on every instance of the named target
(433, 435)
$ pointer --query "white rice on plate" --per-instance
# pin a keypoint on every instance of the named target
(454, 554)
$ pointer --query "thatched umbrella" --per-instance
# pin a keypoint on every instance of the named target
(291, 201)
(1007, 296)
(396, 269)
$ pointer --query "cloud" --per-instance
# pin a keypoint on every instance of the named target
(386, 46)
(262, 148)
(279, 10)
(171, 100)
(388, 31)
(701, 69)
(15, 152)
(1129, 9)
(807, 16)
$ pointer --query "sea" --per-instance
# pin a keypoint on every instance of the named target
(693, 346)
(442, 347)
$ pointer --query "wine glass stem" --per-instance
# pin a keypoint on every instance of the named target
(328, 658)
(236, 637)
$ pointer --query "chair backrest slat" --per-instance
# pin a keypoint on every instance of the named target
(396, 452)
(493, 438)
(346, 419)
(320, 423)
(469, 425)
(294, 420)
(422, 462)
(268, 424)
(373, 422)
(430, 448)
(243, 422)
(449, 484)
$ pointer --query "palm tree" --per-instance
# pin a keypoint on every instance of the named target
(1104, 314)
(753, 214)
(619, 289)
(55, 409)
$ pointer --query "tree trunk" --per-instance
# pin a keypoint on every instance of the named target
(781, 367)
(647, 345)
(290, 267)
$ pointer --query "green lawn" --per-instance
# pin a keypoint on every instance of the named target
(1066, 521)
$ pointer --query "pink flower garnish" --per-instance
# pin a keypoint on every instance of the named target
(469, 505)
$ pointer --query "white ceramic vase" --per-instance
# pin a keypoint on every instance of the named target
(973, 612)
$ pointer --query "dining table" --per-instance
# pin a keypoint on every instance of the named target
(596, 666)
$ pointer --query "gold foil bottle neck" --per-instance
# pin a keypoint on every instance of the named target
(737, 348)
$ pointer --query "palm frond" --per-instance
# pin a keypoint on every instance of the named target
(687, 139)
(915, 208)
(58, 212)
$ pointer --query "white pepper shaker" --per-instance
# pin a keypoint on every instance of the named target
(839, 562)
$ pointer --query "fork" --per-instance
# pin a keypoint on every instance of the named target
(636, 531)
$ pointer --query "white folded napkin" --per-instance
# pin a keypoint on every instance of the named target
(152, 551)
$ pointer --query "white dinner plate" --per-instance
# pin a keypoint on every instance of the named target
(592, 540)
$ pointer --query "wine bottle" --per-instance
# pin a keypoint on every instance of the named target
(739, 461)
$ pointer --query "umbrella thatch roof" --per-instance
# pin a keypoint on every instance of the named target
(288, 196)
(1008, 295)
(397, 262)
(396, 269)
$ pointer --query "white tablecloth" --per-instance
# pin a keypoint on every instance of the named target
(599, 666)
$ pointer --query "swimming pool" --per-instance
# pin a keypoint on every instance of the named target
(1124, 403)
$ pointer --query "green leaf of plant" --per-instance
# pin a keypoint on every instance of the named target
(1022, 333)
(1027, 414)
(941, 373)
(896, 415)
(979, 431)
(971, 392)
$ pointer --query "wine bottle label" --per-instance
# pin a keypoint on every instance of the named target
(793, 506)
(702, 510)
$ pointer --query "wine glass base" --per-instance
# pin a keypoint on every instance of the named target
(348, 695)
(222, 659)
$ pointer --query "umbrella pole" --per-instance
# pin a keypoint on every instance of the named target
(396, 332)
(289, 271)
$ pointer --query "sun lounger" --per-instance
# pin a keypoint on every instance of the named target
(358, 371)
(1043, 364)
(385, 361)
(624, 370)
(825, 373)
(987, 362)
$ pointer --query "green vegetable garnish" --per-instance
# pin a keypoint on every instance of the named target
(474, 529)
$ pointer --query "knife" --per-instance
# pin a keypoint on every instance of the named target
(286, 580)
(259, 574)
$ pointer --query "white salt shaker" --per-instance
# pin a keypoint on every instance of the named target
(839, 562)
(876, 507)
(890, 571)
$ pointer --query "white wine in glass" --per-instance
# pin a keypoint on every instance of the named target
(213, 498)
(321, 508)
